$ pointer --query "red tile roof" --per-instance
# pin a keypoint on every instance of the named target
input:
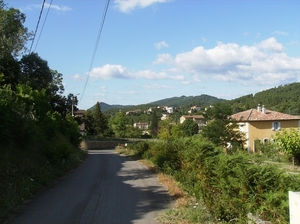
(269, 115)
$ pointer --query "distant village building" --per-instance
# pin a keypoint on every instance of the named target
(164, 117)
(150, 110)
(194, 109)
(199, 119)
(133, 112)
(141, 125)
(170, 110)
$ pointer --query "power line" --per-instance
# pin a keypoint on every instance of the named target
(43, 25)
(96, 46)
(37, 25)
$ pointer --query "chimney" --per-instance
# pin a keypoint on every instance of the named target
(258, 108)
(263, 110)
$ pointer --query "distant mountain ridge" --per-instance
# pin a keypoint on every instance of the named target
(182, 101)
(284, 99)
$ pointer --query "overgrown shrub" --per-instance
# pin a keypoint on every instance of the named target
(231, 185)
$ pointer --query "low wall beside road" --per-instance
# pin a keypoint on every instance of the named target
(98, 145)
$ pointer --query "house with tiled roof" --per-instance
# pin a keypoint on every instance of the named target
(199, 119)
(262, 124)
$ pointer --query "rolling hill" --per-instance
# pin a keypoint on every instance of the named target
(284, 98)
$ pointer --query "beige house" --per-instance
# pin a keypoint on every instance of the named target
(262, 124)
(141, 125)
(199, 119)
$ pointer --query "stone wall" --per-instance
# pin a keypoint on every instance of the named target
(98, 145)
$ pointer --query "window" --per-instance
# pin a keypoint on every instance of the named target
(276, 126)
(241, 126)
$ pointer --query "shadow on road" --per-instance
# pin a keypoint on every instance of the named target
(106, 188)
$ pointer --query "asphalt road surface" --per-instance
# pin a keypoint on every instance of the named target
(107, 188)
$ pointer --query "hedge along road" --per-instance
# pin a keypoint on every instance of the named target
(106, 188)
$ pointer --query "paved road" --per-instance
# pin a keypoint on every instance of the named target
(107, 188)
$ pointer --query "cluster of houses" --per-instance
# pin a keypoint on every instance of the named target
(259, 124)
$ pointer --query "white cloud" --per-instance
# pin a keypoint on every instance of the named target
(76, 77)
(281, 33)
(109, 71)
(271, 44)
(61, 8)
(127, 6)
(264, 63)
(157, 86)
(163, 59)
(119, 72)
(293, 43)
(160, 45)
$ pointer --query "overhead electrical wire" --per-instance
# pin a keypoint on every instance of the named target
(37, 25)
(43, 25)
(95, 47)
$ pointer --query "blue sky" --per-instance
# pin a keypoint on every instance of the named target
(155, 49)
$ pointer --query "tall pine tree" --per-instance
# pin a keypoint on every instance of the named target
(100, 123)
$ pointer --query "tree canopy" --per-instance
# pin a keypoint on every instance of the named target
(221, 129)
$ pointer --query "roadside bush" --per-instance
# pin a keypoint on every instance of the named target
(230, 185)
(139, 148)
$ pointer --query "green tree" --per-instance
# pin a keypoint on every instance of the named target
(189, 127)
(10, 67)
(154, 124)
(35, 72)
(288, 142)
(119, 124)
(88, 121)
(168, 130)
(221, 129)
(164, 130)
(100, 123)
(13, 34)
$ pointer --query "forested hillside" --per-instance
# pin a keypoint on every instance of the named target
(285, 99)
(182, 101)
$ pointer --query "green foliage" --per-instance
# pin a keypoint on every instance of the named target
(139, 148)
(100, 123)
(283, 99)
(164, 128)
(133, 132)
(13, 34)
(35, 72)
(189, 127)
(96, 123)
(15, 117)
(39, 142)
(154, 124)
(119, 124)
(221, 129)
(229, 185)
(169, 131)
(288, 141)
(28, 168)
